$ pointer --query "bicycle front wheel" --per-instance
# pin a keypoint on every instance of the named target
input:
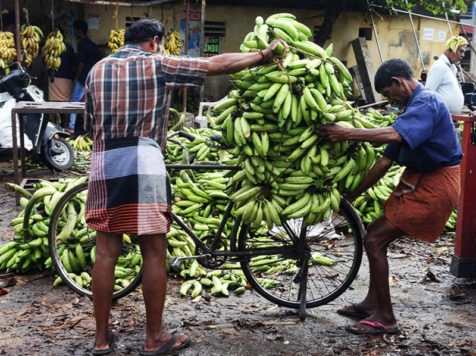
(294, 263)
(72, 248)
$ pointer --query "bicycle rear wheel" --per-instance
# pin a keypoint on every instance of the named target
(292, 264)
(72, 248)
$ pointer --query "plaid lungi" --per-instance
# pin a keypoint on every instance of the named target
(422, 202)
(128, 189)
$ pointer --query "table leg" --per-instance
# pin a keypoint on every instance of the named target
(16, 175)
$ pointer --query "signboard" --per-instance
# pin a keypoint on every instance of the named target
(428, 33)
(212, 47)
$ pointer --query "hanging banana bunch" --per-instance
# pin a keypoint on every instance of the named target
(8, 52)
(116, 40)
(173, 43)
(52, 50)
(31, 37)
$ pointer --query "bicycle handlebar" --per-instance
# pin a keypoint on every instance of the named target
(183, 134)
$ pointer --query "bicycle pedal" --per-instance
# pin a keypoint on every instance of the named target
(175, 263)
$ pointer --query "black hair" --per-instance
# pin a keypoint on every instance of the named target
(144, 30)
(391, 68)
(81, 25)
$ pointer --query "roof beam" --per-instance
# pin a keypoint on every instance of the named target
(120, 3)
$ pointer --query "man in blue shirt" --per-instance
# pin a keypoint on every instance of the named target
(424, 140)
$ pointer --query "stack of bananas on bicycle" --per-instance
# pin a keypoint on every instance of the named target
(52, 50)
(31, 37)
(8, 52)
(273, 115)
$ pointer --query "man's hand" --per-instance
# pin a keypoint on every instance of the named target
(275, 49)
(335, 132)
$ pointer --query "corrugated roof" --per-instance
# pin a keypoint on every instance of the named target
(468, 29)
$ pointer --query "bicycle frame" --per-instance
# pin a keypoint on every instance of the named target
(211, 249)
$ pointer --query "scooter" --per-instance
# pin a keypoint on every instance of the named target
(43, 139)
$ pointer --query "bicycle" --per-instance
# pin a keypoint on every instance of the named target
(299, 281)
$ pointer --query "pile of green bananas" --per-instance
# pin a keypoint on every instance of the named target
(28, 251)
(273, 115)
(116, 39)
(52, 49)
(8, 52)
(200, 199)
(218, 282)
(379, 118)
(201, 149)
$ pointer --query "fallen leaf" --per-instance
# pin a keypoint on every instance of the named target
(393, 281)
(431, 277)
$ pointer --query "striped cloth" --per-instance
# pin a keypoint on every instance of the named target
(422, 202)
(128, 189)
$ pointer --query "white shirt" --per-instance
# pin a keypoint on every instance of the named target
(442, 79)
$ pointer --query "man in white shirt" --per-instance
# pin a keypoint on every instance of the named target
(442, 76)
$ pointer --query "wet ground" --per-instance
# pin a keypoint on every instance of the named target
(436, 312)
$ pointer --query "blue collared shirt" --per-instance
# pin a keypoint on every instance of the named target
(429, 137)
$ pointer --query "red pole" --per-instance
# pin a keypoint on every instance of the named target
(463, 263)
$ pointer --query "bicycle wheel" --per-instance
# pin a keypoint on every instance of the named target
(72, 248)
(294, 265)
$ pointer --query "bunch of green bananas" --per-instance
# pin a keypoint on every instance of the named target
(8, 52)
(31, 37)
(173, 43)
(52, 49)
(200, 199)
(116, 39)
(370, 204)
(200, 149)
(378, 118)
(451, 223)
(219, 282)
(273, 115)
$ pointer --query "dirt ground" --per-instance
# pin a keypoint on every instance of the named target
(436, 312)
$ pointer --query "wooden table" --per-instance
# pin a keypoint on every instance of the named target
(29, 107)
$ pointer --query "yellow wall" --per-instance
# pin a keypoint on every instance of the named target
(394, 37)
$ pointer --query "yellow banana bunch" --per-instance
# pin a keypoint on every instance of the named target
(173, 43)
(52, 49)
(82, 143)
(116, 40)
(31, 37)
(8, 52)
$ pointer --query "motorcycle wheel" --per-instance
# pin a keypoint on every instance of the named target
(58, 154)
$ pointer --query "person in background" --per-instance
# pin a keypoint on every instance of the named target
(422, 139)
(60, 83)
(442, 77)
(127, 99)
(88, 55)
